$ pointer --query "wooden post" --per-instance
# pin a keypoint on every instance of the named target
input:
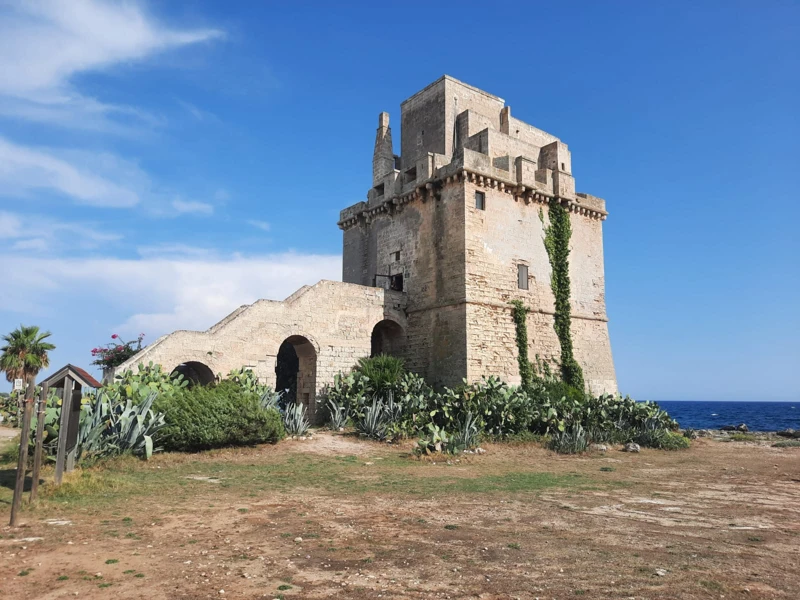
(37, 457)
(63, 427)
(22, 464)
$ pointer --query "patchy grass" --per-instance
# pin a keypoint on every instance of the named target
(743, 437)
(370, 521)
(787, 444)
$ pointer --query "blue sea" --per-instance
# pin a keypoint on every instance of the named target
(758, 416)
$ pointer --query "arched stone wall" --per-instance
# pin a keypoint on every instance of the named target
(388, 337)
(196, 373)
(330, 326)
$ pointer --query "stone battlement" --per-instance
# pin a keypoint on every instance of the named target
(450, 128)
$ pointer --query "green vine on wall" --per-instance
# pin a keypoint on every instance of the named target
(556, 241)
(520, 314)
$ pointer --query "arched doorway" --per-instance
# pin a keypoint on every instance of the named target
(388, 337)
(196, 373)
(296, 372)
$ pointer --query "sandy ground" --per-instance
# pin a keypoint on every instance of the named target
(721, 520)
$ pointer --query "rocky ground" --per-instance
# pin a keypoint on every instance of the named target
(338, 517)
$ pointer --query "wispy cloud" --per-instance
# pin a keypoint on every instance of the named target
(40, 233)
(262, 225)
(192, 207)
(44, 44)
(25, 169)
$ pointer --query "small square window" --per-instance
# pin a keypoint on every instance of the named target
(396, 282)
(522, 277)
(480, 200)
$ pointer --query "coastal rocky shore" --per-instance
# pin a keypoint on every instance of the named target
(742, 433)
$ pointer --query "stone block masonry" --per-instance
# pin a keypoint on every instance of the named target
(452, 230)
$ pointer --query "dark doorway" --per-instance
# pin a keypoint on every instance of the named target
(388, 337)
(296, 372)
(196, 373)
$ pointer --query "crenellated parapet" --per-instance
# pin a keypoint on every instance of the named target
(582, 204)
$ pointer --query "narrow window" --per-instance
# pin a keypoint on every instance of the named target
(480, 200)
(396, 282)
(563, 168)
(397, 256)
(522, 277)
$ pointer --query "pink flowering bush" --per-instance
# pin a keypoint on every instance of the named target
(117, 352)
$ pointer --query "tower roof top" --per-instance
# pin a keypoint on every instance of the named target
(457, 82)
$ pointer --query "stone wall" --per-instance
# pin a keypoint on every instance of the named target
(423, 240)
(330, 324)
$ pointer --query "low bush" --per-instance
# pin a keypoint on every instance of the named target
(787, 444)
(438, 440)
(382, 371)
(545, 407)
(137, 385)
(571, 441)
(200, 418)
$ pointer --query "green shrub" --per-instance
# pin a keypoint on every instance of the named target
(497, 408)
(247, 380)
(354, 393)
(787, 444)
(200, 418)
(652, 434)
(500, 411)
(383, 371)
(571, 441)
(137, 385)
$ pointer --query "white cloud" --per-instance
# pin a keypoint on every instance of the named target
(175, 251)
(24, 169)
(262, 225)
(157, 294)
(190, 207)
(41, 233)
(44, 44)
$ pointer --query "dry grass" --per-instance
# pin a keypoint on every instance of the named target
(518, 522)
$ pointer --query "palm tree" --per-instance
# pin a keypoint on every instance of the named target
(25, 353)
(23, 356)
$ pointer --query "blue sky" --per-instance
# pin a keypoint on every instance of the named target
(163, 163)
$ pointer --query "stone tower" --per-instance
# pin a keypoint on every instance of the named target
(456, 222)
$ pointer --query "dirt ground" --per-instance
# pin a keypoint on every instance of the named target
(338, 517)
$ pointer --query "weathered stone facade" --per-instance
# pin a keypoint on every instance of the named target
(451, 231)
(458, 211)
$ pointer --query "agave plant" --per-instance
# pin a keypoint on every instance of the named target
(570, 441)
(374, 424)
(337, 413)
(466, 436)
(294, 419)
(270, 399)
(112, 427)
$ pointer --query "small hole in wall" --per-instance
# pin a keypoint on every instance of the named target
(563, 168)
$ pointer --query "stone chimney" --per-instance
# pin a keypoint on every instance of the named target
(383, 156)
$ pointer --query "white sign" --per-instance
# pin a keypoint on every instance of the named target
(17, 384)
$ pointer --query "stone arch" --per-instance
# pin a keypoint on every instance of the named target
(388, 337)
(296, 372)
(195, 372)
